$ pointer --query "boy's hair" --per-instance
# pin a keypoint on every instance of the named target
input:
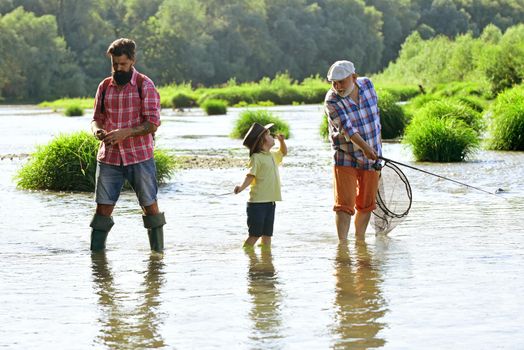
(258, 145)
(121, 47)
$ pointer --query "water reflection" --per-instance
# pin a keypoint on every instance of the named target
(123, 328)
(359, 304)
(266, 300)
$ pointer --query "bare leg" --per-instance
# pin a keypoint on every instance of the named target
(151, 209)
(266, 243)
(104, 209)
(342, 220)
(361, 224)
(250, 242)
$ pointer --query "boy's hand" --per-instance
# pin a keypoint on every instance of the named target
(280, 137)
(237, 189)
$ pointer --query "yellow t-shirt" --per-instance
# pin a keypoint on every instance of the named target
(266, 185)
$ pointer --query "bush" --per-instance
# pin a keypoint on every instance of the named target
(447, 108)
(68, 163)
(183, 100)
(247, 118)
(74, 111)
(440, 139)
(215, 107)
(399, 92)
(507, 126)
(324, 127)
(392, 116)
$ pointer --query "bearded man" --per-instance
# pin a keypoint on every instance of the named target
(126, 115)
(354, 131)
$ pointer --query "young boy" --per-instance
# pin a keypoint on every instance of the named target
(264, 179)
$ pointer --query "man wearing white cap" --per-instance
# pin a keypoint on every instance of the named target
(354, 131)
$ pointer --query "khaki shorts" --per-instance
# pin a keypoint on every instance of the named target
(355, 188)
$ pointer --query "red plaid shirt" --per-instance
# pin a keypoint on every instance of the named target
(124, 109)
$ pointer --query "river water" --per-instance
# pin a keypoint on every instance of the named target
(449, 277)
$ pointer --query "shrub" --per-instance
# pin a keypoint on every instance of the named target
(247, 118)
(507, 126)
(392, 116)
(74, 111)
(399, 92)
(437, 139)
(447, 108)
(183, 100)
(68, 163)
(215, 107)
(440, 140)
(324, 127)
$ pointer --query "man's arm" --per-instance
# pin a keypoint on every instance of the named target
(119, 135)
(364, 146)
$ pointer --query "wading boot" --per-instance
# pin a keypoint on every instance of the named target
(101, 225)
(154, 224)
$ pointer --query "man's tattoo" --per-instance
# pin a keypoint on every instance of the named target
(143, 129)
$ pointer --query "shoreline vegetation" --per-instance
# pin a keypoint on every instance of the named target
(281, 90)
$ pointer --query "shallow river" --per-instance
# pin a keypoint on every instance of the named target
(449, 277)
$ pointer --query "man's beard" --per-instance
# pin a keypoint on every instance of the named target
(347, 92)
(122, 78)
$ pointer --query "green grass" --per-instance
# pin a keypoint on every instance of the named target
(74, 111)
(68, 163)
(324, 127)
(507, 125)
(392, 116)
(63, 103)
(247, 118)
(214, 107)
(449, 108)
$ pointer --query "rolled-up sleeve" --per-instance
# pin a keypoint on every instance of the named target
(335, 111)
(150, 103)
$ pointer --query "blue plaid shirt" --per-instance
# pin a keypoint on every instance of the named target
(345, 118)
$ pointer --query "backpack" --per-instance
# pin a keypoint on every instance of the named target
(107, 81)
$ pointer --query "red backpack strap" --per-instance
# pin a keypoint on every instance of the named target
(105, 84)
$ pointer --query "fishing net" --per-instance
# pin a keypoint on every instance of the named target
(393, 199)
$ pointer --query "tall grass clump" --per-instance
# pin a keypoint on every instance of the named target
(247, 118)
(68, 163)
(440, 139)
(74, 111)
(507, 125)
(392, 116)
(324, 127)
(448, 108)
(183, 100)
(214, 107)
(400, 92)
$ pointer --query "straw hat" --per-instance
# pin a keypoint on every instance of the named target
(254, 134)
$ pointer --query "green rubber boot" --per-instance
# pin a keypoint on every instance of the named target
(101, 225)
(155, 231)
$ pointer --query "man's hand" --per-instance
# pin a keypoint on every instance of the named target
(237, 189)
(370, 153)
(100, 134)
(116, 136)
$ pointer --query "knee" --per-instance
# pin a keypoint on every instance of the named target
(104, 209)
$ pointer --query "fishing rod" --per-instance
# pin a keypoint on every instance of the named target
(439, 176)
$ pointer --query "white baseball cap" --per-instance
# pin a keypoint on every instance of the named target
(340, 70)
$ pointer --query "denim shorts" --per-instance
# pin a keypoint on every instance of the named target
(260, 218)
(141, 176)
